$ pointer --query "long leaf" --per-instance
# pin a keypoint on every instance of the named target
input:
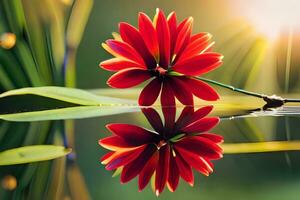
(53, 103)
(70, 95)
(78, 112)
(34, 153)
(260, 147)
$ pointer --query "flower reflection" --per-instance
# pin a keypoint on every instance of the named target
(167, 53)
(168, 152)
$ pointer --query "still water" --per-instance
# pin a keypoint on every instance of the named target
(269, 175)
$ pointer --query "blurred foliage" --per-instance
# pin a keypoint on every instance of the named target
(38, 45)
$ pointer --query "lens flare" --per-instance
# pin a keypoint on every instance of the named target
(269, 17)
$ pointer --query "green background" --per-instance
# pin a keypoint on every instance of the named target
(253, 176)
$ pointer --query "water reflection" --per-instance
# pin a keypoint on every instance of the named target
(167, 152)
(268, 174)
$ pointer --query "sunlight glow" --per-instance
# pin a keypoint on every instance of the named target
(269, 17)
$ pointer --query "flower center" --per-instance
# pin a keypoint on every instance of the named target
(161, 71)
(161, 144)
(158, 72)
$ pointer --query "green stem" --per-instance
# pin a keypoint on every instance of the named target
(231, 87)
(271, 101)
(292, 100)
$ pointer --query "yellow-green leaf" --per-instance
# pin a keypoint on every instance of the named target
(31, 154)
(54, 103)
(260, 147)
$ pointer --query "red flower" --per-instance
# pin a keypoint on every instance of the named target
(168, 152)
(165, 52)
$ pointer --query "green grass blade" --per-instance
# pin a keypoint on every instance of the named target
(4, 126)
(5, 82)
(52, 103)
(34, 153)
(76, 183)
(14, 15)
(26, 60)
(13, 69)
(76, 24)
(78, 112)
(71, 95)
(261, 147)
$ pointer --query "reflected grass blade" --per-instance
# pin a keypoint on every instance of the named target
(37, 133)
(59, 103)
(57, 179)
(76, 183)
(39, 181)
(14, 136)
(34, 153)
(261, 147)
(78, 112)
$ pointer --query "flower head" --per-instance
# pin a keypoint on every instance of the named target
(167, 53)
(168, 152)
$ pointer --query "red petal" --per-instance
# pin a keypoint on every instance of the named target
(185, 169)
(150, 93)
(124, 50)
(168, 105)
(163, 36)
(167, 95)
(200, 113)
(208, 162)
(173, 178)
(199, 64)
(106, 156)
(182, 91)
(200, 36)
(188, 115)
(132, 169)
(133, 37)
(200, 146)
(116, 64)
(162, 169)
(148, 33)
(132, 134)
(114, 143)
(202, 90)
(128, 78)
(195, 161)
(148, 171)
(198, 44)
(124, 158)
(202, 125)
(213, 137)
(172, 22)
(184, 117)
(184, 34)
(154, 119)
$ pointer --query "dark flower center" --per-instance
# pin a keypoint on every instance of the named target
(161, 143)
(162, 140)
(159, 72)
